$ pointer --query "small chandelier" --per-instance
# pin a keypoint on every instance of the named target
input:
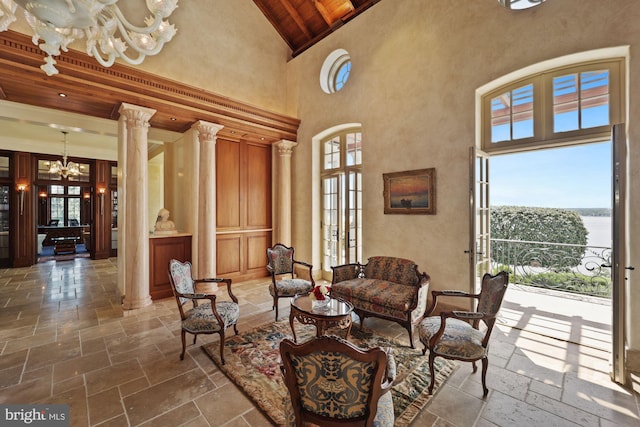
(64, 168)
(59, 22)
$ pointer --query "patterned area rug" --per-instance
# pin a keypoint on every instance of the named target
(253, 363)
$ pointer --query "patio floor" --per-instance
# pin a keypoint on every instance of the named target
(564, 316)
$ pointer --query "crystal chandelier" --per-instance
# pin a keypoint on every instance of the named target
(108, 33)
(64, 168)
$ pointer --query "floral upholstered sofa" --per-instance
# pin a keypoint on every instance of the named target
(386, 287)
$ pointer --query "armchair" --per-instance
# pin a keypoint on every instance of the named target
(332, 382)
(212, 317)
(280, 264)
(456, 334)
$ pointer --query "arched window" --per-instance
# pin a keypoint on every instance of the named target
(561, 106)
(335, 71)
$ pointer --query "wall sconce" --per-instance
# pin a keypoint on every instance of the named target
(21, 190)
(101, 191)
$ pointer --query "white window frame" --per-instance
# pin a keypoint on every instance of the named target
(347, 246)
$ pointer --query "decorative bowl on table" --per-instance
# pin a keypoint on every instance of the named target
(320, 297)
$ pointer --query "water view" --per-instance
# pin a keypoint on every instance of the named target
(599, 228)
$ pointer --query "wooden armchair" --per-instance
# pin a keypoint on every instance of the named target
(332, 382)
(213, 317)
(456, 334)
(284, 283)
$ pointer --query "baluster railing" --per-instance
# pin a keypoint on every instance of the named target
(566, 267)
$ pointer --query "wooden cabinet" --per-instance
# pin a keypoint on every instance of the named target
(162, 249)
(244, 229)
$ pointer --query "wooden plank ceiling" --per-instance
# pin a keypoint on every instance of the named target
(302, 23)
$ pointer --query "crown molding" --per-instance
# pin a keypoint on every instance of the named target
(98, 91)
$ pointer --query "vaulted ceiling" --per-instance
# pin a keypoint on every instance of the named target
(302, 23)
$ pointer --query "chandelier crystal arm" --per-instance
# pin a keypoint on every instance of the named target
(124, 24)
(64, 168)
(60, 22)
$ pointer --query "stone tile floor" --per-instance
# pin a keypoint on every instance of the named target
(64, 339)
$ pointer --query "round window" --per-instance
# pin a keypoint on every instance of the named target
(335, 71)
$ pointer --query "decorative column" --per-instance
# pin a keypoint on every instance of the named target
(283, 190)
(135, 125)
(207, 222)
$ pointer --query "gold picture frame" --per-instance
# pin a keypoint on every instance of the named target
(410, 192)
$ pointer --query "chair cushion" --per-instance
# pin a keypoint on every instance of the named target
(291, 287)
(459, 340)
(200, 319)
(377, 293)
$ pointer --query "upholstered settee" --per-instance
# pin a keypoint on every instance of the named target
(386, 287)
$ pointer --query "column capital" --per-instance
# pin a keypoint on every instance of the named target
(285, 147)
(207, 131)
(136, 116)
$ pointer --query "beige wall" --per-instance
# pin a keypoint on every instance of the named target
(156, 189)
(416, 67)
(226, 47)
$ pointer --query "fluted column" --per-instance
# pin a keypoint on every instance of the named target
(207, 198)
(135, 125)
(283, 191)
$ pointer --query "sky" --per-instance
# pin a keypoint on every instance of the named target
(570, 177)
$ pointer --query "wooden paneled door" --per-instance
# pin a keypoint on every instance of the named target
(244, 227)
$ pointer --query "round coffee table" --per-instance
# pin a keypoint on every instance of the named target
(336, 313)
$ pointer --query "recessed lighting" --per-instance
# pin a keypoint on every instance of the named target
(173, 119)
(62, 95)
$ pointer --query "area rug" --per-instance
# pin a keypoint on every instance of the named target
(253, 364)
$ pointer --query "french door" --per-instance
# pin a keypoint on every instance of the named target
(479, 250)
(341, 220)
(480, 239)
(619, 267)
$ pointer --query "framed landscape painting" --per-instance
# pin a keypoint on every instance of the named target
(410, 192)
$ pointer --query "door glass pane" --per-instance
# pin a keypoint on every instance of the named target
(330, 222)
(354, 216)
